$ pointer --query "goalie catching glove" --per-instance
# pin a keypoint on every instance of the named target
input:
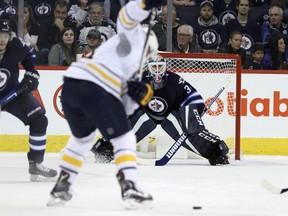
(30, 80)
(140, 92)
(149, 4)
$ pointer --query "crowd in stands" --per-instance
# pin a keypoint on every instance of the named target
(62, 30)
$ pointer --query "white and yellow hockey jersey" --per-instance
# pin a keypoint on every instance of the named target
(119, 58)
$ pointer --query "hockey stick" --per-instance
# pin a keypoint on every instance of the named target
(152, 16)
(138, 75)
(176, 146)
(11, 97)
(268, 186)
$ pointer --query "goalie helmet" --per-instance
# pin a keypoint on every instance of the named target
(156, 67)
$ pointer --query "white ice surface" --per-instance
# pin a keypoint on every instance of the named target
(233, 190)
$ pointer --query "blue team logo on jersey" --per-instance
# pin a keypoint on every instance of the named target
(4, 75)
(158, 105)
(181, 81)
(226, 16)
(10, 9)
(247, 42)
(209, 37)
(42, 9)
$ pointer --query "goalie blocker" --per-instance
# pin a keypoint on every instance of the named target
(199, 139)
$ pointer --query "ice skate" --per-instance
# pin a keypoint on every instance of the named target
(61, 193)
(40, 172)
(132, 197)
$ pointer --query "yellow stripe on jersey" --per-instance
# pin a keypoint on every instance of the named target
(104, 75)
(125, 158)
(124, 20)
(71, 160)
(143, 5)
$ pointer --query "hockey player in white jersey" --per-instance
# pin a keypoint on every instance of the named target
(99, 93)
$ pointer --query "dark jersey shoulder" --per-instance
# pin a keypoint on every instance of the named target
(16, 52)
(170, 97)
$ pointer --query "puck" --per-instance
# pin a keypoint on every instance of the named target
(197, 207)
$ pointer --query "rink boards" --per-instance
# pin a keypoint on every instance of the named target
(264, 111)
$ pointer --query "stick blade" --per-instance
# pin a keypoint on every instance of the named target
(268, 186)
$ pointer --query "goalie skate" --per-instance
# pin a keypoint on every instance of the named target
(132, 197)
(39, 172)
(61, 193)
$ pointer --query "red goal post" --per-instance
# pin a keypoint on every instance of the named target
(208, 73)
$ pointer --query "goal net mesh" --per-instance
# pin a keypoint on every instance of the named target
(207, 73)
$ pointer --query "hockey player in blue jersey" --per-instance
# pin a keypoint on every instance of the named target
(24, 107)
(172, 95)
(98, 93)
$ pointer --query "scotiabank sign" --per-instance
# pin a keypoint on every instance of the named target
(264, 105)
(276, 106)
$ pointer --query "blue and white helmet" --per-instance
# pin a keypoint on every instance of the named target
(156, 67)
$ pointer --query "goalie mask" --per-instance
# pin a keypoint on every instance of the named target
(156, 67)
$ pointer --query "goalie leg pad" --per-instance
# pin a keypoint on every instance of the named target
(211, 147)
(189, 119)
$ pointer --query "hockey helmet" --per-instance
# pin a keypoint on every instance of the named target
(4, 26)
(156, 67)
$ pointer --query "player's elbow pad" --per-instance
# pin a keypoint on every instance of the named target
(140, 92)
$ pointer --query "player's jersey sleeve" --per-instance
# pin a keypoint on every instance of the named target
(26, 55)
(130, 16)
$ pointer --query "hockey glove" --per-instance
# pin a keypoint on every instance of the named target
(30, 80)
(149, 4)
(140, 92)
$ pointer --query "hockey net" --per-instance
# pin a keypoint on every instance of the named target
(208, 73)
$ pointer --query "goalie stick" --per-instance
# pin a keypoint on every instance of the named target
(176, 146)
(268, 186)
(12, 96)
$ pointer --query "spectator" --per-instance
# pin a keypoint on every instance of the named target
(276, 25)
(184, 2)
(95, 19)
(160, 28)
(93, 41)
(50, 29)
(263, 18)
(276, 55)
(186, 40)
(78, 12)
(249, 28)
(42, 9)
(234, 46)
(31, 27)
(258, 55)
(111, 9)
(218, 5)
(211, 34)
(64, 53)
(254, 3)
